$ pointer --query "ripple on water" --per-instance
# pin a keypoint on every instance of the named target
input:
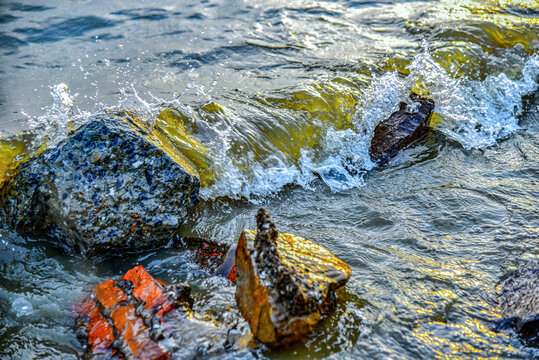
(285, 98)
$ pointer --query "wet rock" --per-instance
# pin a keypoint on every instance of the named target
(110, 186)
(13, 151)
(206, 253)
(519, 300)
(284, 283)
(215, 257)
(139, 317)
(403, 127)
(227, 267)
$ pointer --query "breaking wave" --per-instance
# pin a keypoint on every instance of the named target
(248, 162)
(475, 113)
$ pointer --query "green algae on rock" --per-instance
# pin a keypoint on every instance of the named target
(284, 283)
(14, 151)
(170, 127)
(112, 185)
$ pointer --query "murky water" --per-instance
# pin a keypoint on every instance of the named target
(283, 97)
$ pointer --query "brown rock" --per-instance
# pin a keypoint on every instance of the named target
(403, 127)
(284, 283)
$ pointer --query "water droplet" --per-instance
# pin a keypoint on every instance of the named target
(22, 307)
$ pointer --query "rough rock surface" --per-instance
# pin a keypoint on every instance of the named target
(519, 299)
(403, 127)
(139, 317)
(284, 283)
(111, 186)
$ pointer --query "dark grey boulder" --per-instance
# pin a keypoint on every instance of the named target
(111, 186)
(403, 127)
(519, 299)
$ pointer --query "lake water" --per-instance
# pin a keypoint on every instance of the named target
(284, 96)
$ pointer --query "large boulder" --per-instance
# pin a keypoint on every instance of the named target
(403, 127)
(140, 317)
(284, 283)
(113, 185)
(519, 300)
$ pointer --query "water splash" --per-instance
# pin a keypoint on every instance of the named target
(248, 164)
(475, 113)
(22, 307)
(135, 104)
(58, 120)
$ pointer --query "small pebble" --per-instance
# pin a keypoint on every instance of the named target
(95, 156)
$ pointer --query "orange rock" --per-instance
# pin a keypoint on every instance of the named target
(119, 316)
(98, 329)
(135, 334)
(139, 317)
(232, 275)
(146, 289)
(150, 291)
(108, 295)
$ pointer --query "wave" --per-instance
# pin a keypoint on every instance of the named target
(256, 146)
(475, 113)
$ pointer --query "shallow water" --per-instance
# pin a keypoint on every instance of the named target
(284, 96)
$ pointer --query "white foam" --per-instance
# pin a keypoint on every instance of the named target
(53, 126)
(134, 103)
(475, 113)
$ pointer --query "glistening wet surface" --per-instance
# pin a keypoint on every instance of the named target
(283, 98)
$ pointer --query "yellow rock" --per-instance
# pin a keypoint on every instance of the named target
(285, 283)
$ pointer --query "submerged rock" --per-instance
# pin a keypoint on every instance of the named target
(217, 258)
(519, 300)
(113, 185)
(284, 283)
(139, 317)
(403, 127)
(227, 267)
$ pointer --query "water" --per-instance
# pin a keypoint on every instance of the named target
(284, 97)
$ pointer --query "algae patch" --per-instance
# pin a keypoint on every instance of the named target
(13, 152)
